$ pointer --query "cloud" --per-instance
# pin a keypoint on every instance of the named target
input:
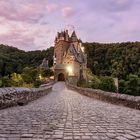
(23, 11)
(52, 7)
(67, 12)
(120, 5)
(33, 24)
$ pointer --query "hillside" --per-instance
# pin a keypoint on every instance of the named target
(14, 60)
(115, 59)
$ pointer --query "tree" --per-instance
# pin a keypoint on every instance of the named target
(133, 85)
(122, 86)
(30, 75)
(0, 82)
(16, 80)
(6, 82)
(107, 84)
(47, 73)
(95, 82)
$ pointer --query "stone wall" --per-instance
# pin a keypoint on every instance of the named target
(114, 98)
(20, 96)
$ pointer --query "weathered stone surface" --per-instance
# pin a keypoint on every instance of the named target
(67, 115)
(20, 96)
(120, 99)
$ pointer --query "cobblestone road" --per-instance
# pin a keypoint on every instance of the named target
(65, 114)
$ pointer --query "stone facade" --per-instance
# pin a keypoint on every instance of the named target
(20, 96)
(44, 65)
(69, 59)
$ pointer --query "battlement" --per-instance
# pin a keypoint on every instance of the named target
(64, 35)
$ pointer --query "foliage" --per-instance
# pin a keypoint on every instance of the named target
(116, 59)
(38, 82)
(30, 75)
(93, 80)
(15, 60)
(47, 73)
(16, 80)
(6, 82)
(0, 82)
(95, 83)
(120, 60)
(107, 84)
(133, 85)
(122, 86)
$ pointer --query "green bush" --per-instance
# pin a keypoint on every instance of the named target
(30, 75)
(6, 82)
(107, 84)
(0, 82)
(133, 85)
(16, 80)
(122, 86)
(95, 82)
(37, 83)
(47, 73)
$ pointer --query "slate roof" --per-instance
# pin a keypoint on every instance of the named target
(79, 57)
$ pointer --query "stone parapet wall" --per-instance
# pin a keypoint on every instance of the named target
(20, 96)
(114, 98)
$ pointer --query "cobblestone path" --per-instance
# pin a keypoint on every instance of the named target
(65, 114)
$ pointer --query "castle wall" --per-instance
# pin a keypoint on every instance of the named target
(59, 50)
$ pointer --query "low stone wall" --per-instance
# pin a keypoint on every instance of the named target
(114, 98)
(20, 96)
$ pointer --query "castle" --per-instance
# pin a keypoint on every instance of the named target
(69, 58)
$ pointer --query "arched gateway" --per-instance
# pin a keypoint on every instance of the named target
(61, 77)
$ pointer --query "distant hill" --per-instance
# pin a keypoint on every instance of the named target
(116, 59)
(14, 60)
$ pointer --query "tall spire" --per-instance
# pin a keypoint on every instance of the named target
(66, 35)
(74, 37)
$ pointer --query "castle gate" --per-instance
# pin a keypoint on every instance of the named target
(61, 77)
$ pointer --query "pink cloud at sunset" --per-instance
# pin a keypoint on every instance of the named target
(67, 12)
(33, 24)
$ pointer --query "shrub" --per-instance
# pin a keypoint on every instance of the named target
(37, 83)
(95, 82)
(6, 82)
(16, 80)
(122, 86)
(133, 85)
(107, 84)
(0, 82)
(29, 75)
(47, 73)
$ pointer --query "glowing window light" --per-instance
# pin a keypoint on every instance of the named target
(70, 70)
(40, 76)
(83, 49)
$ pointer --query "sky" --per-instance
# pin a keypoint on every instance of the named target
(33, 24)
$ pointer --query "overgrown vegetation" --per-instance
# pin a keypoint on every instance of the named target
(19, 68)
(30, 77)
(121, 60)
(13, 60)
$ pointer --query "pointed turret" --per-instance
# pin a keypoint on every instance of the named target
(66, 35)
(74, 37)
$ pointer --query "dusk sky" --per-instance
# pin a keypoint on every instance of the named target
(33, 24)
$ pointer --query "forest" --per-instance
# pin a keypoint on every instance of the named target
(118, 60)
(15, 60)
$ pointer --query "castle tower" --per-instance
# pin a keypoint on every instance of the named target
(69, 60)
(61, 45)
(74, 40)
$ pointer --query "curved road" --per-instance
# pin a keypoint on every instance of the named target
(65, 114)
